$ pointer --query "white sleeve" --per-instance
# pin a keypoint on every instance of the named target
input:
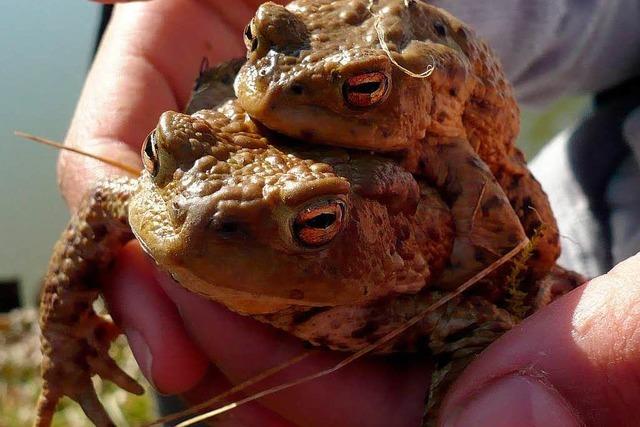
(551, 48)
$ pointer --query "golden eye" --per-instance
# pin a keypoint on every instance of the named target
(365, 90)
(317, 225)
(150, 154)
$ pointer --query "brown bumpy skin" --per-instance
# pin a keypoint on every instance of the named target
(305, 59)
(75, 340)
(223, 194)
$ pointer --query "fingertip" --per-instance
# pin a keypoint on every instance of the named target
(585, 346)
(250, 414)
(166, 354)
(516, 399)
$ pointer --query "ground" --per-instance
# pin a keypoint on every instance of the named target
(20, 379)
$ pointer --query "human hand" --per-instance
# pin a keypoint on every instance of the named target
(175, 334)
(574, 363)
(584, 346)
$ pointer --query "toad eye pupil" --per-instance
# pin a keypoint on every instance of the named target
(369, 87)
(318, 224)
(321, 221)
(250, 40)
(441, 30)
(365, 90)
(148, 147)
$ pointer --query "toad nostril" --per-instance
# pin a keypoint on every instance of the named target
(224, 228)
(228, 228)
(440, 29)
(297, 88)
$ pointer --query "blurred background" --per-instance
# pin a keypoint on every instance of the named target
(46, 51)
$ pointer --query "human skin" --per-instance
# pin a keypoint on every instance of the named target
(577, 361)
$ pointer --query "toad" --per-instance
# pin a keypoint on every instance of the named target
(291, 236)
(336, 247)
(397, 76)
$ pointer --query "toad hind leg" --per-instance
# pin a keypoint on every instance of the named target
(486, 225)
(532, 206)
(75, 339)
(465, 329)
(456, 341)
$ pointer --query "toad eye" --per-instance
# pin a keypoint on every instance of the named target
(440, 29)
(317, 225)
(365, 90)
(150, 154)
(250, 40)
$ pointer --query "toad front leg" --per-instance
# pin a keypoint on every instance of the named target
(486, 225)
(75, 339)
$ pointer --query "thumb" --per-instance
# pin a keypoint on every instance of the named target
(576, 362)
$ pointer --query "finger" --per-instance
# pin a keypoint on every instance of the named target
(252, 414)
(160, 344)
(366, 393)
(577, 362)
(164, 351)
(146, 64)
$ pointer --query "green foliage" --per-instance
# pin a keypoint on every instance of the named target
(515, 295)
(539, 127)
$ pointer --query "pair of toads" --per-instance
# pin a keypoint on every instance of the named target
(364, 169)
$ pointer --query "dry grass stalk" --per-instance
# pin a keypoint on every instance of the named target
(233, 390)
(383, 44)
(127, 168)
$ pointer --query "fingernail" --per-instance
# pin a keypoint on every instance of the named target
(142, 353)
(516, 400)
